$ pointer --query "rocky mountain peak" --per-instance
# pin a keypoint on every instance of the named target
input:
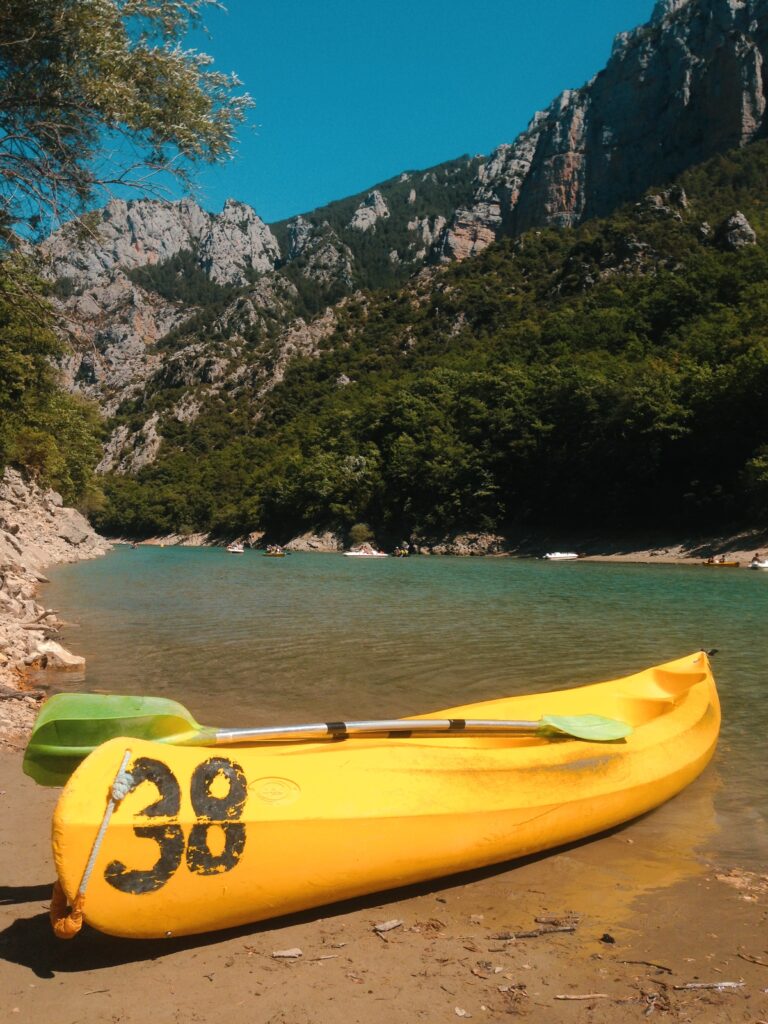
(143, 232)
(664, 8)
(688, 85)
(237, 242)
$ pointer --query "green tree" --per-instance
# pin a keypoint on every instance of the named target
(95, 92)
(359, 534)
(51, 433)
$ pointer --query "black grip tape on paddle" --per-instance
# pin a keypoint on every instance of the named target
(457, 724)
(337, 730)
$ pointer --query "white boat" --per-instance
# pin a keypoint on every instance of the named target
(759, 563)
(236, 547)
(559, 556)
(366, 554)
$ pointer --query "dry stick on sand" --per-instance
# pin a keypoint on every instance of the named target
(709, 984)
(590, 995)
(752, 959)
(535, 934)
(648, 963)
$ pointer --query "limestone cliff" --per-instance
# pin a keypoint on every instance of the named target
(674, 92)
(127, 235)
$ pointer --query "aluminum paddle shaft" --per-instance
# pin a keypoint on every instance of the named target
(592, 727)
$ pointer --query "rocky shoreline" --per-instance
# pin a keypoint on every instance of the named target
(736, 545)
(36, 530)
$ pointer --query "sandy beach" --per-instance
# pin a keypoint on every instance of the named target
(615, 929)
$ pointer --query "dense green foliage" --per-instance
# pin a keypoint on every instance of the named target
(611, 376)
(54, 435)
(180, 279)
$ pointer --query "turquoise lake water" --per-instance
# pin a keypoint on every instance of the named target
(248, 640)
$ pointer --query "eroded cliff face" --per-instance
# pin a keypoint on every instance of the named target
(114, 322)
(689, 84)
(127, 235)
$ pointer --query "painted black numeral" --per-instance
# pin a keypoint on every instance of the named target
(169, 838)
(216, 812)
(201, 861)
(145, 769)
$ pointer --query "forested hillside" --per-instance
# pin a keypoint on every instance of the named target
(615, 375)
(54, 435)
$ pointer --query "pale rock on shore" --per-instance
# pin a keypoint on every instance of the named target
(465, 544)
(36, 530)
(327, 541)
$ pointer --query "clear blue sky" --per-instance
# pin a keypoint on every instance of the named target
(349, 93)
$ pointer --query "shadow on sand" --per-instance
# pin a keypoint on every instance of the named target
(31, 943)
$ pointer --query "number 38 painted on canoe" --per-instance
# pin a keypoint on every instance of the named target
(217, 812)
(204, 840)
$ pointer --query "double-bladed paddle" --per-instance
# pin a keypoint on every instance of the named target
(71, 725)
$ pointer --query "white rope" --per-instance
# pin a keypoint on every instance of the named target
(120, 787)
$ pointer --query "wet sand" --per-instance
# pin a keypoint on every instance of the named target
(644, 912)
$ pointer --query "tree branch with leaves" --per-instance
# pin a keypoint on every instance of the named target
(100, 93)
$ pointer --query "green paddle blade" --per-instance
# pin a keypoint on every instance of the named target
(71, 725)
(587, 727)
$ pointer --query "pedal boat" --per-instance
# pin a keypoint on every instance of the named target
(214, 838)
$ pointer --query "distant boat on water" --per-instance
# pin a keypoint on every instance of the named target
(560, 556)
(366, 551)
(236, 547)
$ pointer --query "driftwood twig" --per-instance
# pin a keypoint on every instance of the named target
(709, 984)
(752, 959)
(648, 963)
(590, 995)
(534, 934)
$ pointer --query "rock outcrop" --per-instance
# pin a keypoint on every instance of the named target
(113, 322)
(373, 209)
(689, 84)
(465, 544)
(36, 530)
(319, 542)
(735, 232)
(142, 232)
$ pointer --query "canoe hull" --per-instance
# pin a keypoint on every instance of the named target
(259, 832)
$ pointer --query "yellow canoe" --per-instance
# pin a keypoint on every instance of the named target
(212, 838)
